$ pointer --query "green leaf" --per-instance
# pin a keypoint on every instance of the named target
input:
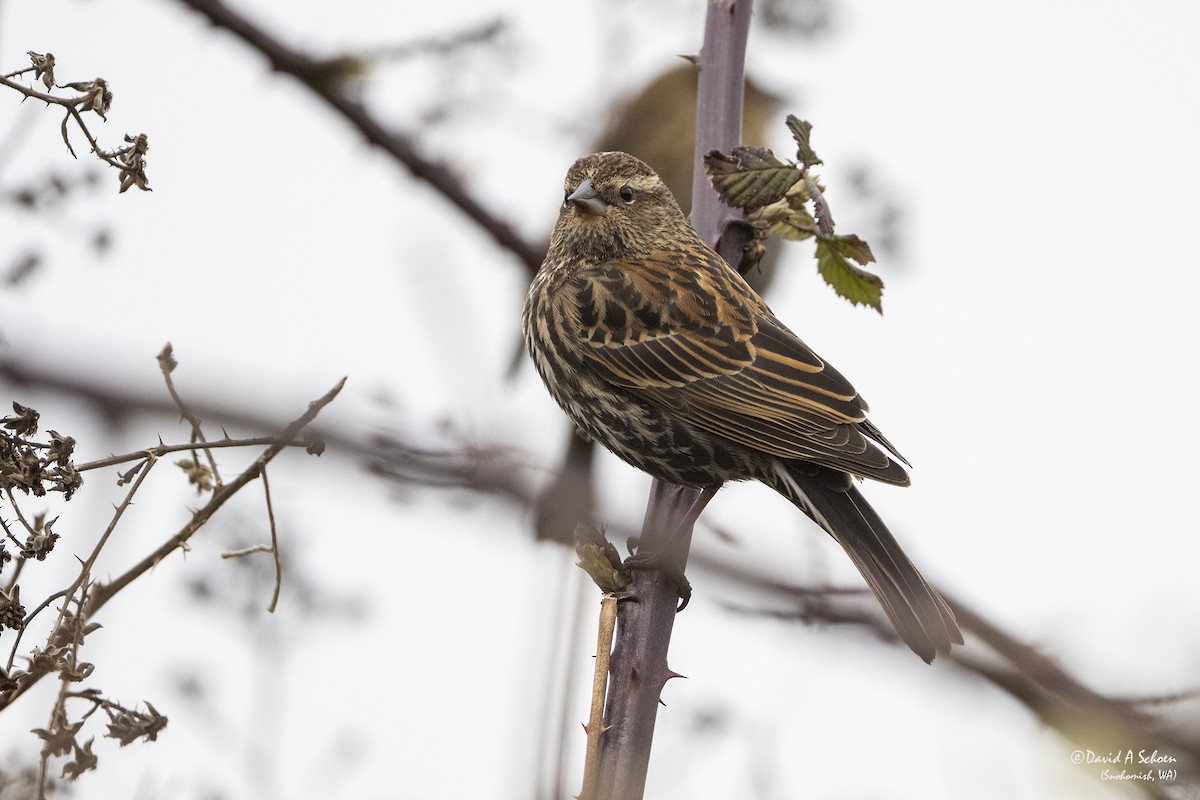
(786, 220)
(834, 254)
(801, 130)
(750, 177)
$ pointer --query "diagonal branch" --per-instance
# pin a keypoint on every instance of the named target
(315, 74)
(99, 594)
(104, 592)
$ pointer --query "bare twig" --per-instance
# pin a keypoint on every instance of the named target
(85, 568)
(105, 592)
(595, 725)
(434, 45)
(95, 97)
(167, 364)
(163, 449)
(272, 548)
(58, 715)
(100, 594)
(274, 540)
(12, 502)
(247, 551)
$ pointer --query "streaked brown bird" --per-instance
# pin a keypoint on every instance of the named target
(661, 352)
(658, 125)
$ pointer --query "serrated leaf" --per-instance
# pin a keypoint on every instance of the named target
(820, 207)
(854, 247)
(750, 177)
(786, 220)
(834, 254)
(801, 131)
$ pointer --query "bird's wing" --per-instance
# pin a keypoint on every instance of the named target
(682, 331)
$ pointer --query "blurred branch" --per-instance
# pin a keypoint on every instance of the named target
(435, 45)
(1089, 719)
(47, 197)
(1085, 717)
(1082, 715)
(331, 86)
(1050, 691)
(99, 594)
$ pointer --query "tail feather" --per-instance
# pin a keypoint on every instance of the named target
(918, 612)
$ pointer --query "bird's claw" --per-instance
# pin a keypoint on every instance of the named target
(664, 563)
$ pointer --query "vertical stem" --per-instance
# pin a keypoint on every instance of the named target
(595, 726)
(718, 106)
(639, 660)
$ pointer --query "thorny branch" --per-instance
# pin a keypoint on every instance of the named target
(167, 364)
(105, 592)
(95, 97)
(85, 569)
(36, 468)
(639, 661)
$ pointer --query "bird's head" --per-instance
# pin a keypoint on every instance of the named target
(614, 206)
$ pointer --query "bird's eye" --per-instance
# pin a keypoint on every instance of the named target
(626, 194)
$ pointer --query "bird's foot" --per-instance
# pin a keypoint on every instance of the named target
(665, 562)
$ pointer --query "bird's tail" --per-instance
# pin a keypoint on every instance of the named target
(920, 615)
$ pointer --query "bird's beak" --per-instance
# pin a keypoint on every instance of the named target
(587, 200)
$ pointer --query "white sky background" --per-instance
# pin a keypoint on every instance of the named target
(1035, 364)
